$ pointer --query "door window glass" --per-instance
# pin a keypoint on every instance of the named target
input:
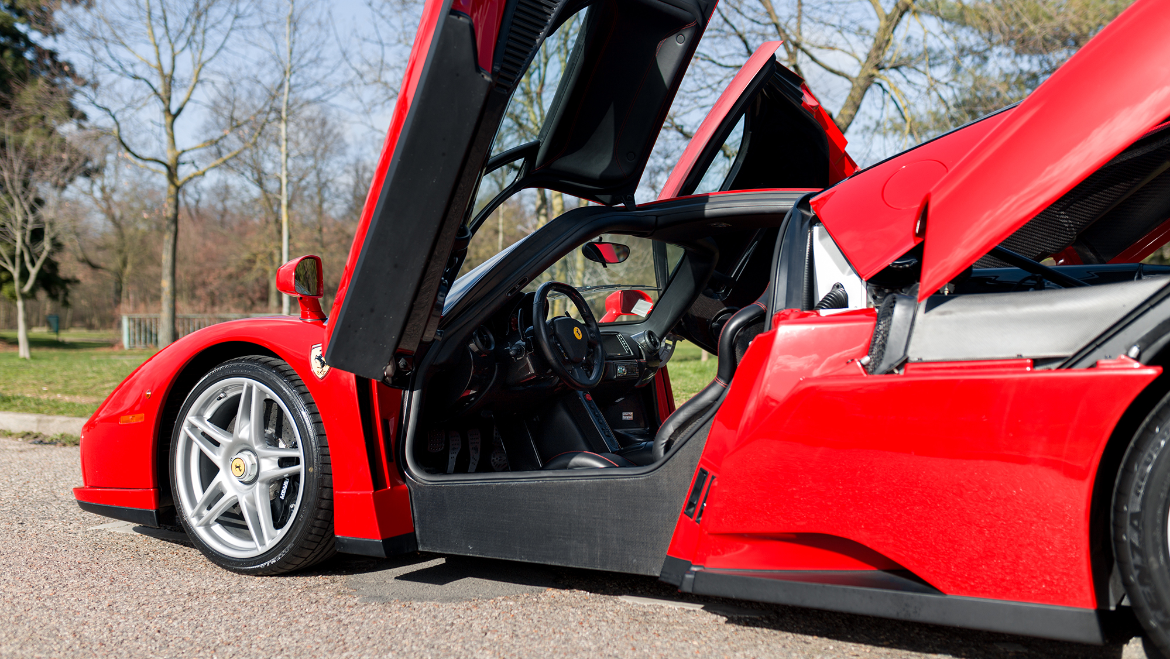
(720, 167)
(530, 102)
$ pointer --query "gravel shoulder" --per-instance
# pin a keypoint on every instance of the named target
(72, 583)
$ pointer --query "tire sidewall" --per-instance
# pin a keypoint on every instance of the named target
(313, 478)
(1141, 517)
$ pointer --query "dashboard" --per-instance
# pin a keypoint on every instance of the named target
(504, 369)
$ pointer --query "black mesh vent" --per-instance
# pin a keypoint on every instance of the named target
(1141, 213)
(1109, 210)
(525, 33)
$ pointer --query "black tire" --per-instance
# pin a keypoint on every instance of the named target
(308, 535)
(1141, 526)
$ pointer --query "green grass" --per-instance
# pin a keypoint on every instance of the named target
(688, 374)
(72, 376)
(60, 439)
(69, 377)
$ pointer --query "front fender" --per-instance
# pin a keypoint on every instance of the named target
(124, 445)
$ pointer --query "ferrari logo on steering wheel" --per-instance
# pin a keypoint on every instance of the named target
(577, 332)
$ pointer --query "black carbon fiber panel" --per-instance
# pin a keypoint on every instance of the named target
(1109, 210)
(600, 519)
(1133, 218)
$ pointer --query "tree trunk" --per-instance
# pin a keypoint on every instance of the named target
(558, 205)
(166, 317)
(541, 208)
(500, 229)
(122, 283)
(580, 280)
(284, 304)
(557, 208)
(21, 327)
(882, 39)
(273, 294)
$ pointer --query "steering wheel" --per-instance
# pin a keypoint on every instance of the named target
(565, 342)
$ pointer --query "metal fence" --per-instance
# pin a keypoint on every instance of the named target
(140, 330)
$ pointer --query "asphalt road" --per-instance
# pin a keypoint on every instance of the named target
(74, 584)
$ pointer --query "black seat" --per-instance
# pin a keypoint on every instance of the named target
(587, 460)
(734, 338)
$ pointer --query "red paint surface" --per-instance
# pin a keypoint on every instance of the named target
(310, 305)
(621, 303)
(1112, 91)
(663, 394)
(286, 277)
(788, 551)
(976, 477)
(869, 230)
(907, 186)
(142, 498)
(1067, 256)
(414, 67)
(1146, 245)
(841, 165)
(117, 458)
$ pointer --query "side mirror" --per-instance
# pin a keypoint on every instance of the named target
(629, 302)
(606, 254)
(303, 278)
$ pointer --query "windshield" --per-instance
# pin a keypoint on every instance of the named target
(464, 283)
(617, 292)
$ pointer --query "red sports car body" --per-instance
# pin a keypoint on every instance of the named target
(914, 416)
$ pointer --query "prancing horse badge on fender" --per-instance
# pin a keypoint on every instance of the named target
(317, 361)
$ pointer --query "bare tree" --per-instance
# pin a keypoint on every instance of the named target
(153, 58)
(294, 45)
(302, 84)
(126, 217)
(1008, 48)
(859, 43)
(375, 53)
(35, 168)
(286, 84)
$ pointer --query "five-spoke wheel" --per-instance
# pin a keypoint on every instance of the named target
(250, 469)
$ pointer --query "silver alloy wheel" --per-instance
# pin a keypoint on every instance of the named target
(238, 468)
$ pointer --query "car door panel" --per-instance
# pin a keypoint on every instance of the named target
(974, 477)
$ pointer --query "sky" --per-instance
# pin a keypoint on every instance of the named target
(347, 36)
(343, 33)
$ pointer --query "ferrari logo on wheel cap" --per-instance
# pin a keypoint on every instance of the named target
(577, 332)
(245, 467)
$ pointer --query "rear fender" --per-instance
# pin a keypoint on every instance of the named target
(1106, 584)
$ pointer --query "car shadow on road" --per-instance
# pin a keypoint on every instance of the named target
(423, 577)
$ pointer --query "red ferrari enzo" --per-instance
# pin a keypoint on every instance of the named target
(940, 392)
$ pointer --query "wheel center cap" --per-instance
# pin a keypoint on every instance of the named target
(244, 466)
